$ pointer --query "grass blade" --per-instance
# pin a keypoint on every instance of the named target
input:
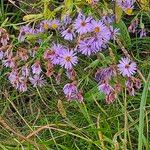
(141, 117)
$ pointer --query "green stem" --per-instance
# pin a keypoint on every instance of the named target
(142, 115)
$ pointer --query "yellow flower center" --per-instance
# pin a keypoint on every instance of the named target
(127, 66)
(83, 23)
(97, 29)
(89, 1)
(68, 58)
(54, 25)
(128, 11)
(46, 26)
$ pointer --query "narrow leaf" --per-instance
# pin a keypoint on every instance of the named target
(142, 115)
(118, 13)
(61, 109)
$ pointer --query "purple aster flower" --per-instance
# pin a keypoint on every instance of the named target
(54, 24)
(1, 55)
(33, 51)
(68, 59)
(36, 68)
(22, 33)
(66, 20)
(97, 43)
(126, 67)
(25, 30)
(71, 74)
(132, 84)
(101, 30)
(110, 98)
(13, 76)
(38, 31)
(9, 62)
(17, 82)
(130, 87)
(58, 78)
(105, 88)
(21, 85)
(126, 5)
(86, 47)
(142, 32)
(22, 53)
(137, 83)
(104, 74)
(25, 71)
(107, 20)
(114, 32)
(44, 25)
(68, 34)
(133, 26)
(129, 83)
(37, 80)
(82, 24)
(70, 91)
(102, 34)
(4, 37)
(54, 53)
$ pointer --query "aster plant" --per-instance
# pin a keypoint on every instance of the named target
(57, 47)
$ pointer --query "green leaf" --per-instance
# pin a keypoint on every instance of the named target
(94, 92)
(85, 113)
(68, 6)
(118, 13)
(124, 34)
(142, 115)
(95, 63)
(63, 147)
(32, 16)
(61, 109)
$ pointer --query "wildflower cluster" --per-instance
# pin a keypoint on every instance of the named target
(133, 28)
(127, 69)
(83, 35)
(127, 6)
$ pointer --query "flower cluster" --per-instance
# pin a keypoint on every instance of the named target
(71, 92)
(127, 69)
(133, 28)
(127, 6)
(82, 35)
(103, 77)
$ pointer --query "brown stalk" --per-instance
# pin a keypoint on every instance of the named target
(21, 137)
(40, 129)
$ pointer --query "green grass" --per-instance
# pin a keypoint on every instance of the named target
(142, 113)
(43, 119)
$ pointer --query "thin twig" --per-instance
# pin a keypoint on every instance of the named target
(40, 129)
(6, 126)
